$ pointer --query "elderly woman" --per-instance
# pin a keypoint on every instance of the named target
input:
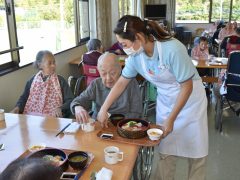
(95, 50)
(129, 103)
(46, 93)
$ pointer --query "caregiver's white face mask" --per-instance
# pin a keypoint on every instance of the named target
(131, 52)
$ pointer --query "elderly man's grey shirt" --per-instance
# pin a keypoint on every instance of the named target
(129, 103)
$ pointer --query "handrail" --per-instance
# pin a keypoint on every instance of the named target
(10, 50)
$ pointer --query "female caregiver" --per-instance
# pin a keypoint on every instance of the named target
(181, 101)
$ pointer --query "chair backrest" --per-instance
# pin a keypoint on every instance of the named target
(91, 72)
(231, 47)
(233, 77)
(77, 85)
(199, 31)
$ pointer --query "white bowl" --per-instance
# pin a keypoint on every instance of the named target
(224, 60)
(154, 134)
(36, 147)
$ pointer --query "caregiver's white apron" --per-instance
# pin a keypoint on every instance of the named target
(189, 137)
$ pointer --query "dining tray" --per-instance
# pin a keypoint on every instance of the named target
(67, 151)
(145, 141)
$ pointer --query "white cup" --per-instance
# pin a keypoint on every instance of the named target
(112, 155)
(88, 127)
(2, 116)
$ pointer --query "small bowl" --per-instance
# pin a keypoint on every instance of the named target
(154, 134)
(36, 147)
(115, 118)
(88, 127)
(78, 160)
(52, 152)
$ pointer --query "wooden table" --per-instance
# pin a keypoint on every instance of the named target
(17, 132)
(209, 65)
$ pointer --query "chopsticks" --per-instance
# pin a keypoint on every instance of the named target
(63, 129)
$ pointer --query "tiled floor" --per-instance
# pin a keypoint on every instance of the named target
(224, 149)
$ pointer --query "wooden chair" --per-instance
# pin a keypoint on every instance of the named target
(199, 31)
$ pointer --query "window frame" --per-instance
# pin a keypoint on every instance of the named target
(13, 39)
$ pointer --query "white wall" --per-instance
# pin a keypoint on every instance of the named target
(12, 84)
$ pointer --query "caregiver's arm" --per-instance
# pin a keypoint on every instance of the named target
(185, 92)
(115, 92)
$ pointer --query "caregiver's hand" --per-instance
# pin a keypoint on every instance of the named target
(168, 127)
(103, 118)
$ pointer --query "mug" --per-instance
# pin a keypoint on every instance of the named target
(2, 116)
(88, 127)
(112, 155)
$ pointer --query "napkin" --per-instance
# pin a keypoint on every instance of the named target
(104, 174)
(74, 126)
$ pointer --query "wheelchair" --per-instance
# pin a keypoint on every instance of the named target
(232, 83)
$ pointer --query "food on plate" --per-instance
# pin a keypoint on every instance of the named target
(134, 126)
(56, 160)
(37, 147)
(153, 133)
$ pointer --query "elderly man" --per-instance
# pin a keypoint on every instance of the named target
(95, 50)
(129, 103)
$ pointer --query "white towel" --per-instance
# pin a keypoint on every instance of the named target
(104, 174)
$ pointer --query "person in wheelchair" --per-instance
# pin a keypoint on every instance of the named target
(228, 88)
(232, 39)
(95, 50)
(129, 103)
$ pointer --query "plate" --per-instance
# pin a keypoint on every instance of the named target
(36, 147)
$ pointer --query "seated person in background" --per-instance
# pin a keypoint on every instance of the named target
(129, 103)
(233, 39)
(226, 31)
(200, 52)
(116, 48)
(95, 50)
(46, 93)
(31, 169)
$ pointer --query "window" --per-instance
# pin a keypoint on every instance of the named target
(4, 36)
(84, 21)
(44, 25)
(196, 11)
(35, 25)
(235, 10)
(192, 11)
(220, 10)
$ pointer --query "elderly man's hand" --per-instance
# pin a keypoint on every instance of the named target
(103, 118)
(81, 114)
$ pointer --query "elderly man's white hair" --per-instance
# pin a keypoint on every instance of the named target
(110, 58)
